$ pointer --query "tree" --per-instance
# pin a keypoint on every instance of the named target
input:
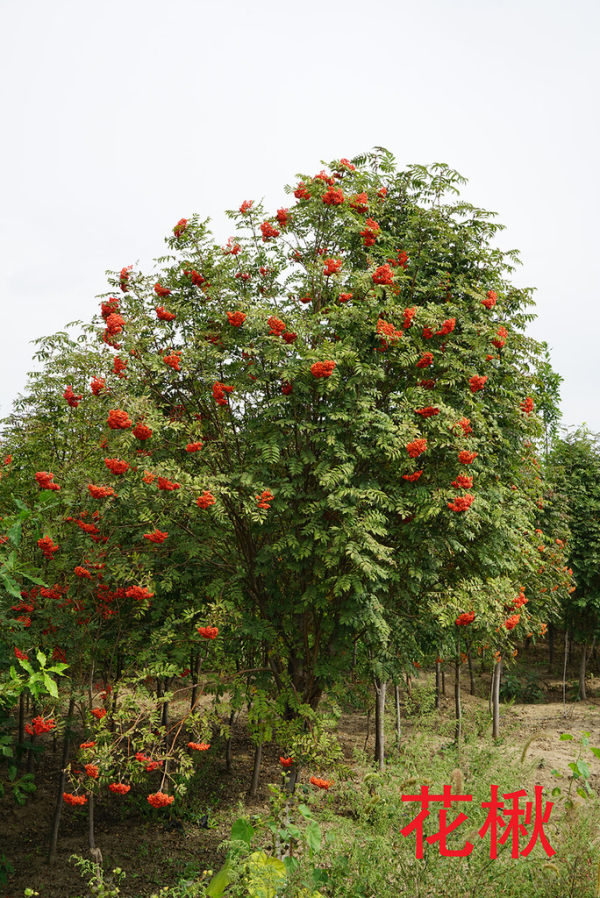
(574, 466)
(326, 417)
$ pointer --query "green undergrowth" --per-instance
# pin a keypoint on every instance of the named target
(346, 842)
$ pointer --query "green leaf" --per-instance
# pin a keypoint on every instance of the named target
(45, 498)
(291, 864)
(15, 533)
(10, 586)
(35, 580)
(313, 835)
(583, 769)
(242, 831)
(565, 737)
(219, 882)
(50, 685)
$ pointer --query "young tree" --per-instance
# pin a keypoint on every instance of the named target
(574, 467)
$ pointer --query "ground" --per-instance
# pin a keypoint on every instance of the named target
(160, 847)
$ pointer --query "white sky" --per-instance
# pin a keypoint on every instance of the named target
(119, 118)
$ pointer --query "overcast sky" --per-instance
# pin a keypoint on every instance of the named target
(119, 118)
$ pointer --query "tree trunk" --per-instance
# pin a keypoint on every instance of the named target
(443, 681)
(165, 709)
(196, 665)
(582, 666)
(291, 778)
(229, 743)
(380, 690)
(95, 852)
(496, 699)
(61, 782)
(368, 728)
(255, 771)
(21, 736)
(398, 717)
(472, 678)
(438, 684)
(457, 705)
(91, 837)
(550, 647)
(564, 682)
(31, 741)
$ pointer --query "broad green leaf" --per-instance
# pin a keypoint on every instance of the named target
(242, 831)
(50, 685)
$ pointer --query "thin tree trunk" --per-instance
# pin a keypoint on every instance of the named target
(31, 741)
(376, 753)
(380, 690)
(398, 717)
(443, 681)
(91, 839)
(564, 682)
(61, 782)
(95, 852)
(21, 736)
(496, 700)
(113, 709)
(582, 666)
(457, 705)
(229, 743)
(196, 666)
(472, 678)
(165, 709)
(255, 770)
(438, 684)
(291, 778)
(550, 647)
(368, 728)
